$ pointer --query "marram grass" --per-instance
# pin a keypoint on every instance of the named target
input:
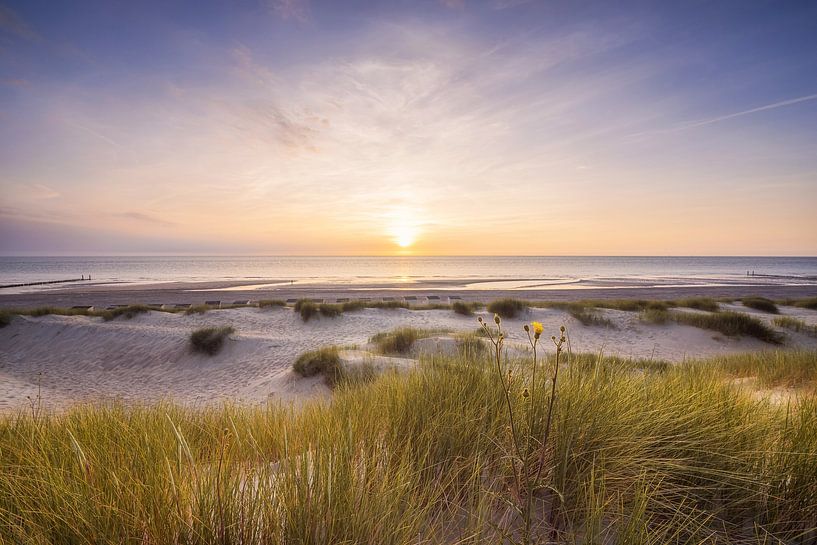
(638, 454)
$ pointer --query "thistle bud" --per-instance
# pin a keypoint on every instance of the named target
(525, 393)
(526, 328)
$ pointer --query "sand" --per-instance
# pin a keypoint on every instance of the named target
(73, 359)
(103, 294)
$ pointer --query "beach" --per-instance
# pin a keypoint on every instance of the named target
(64, 360)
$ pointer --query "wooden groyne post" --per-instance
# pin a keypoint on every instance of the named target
(44, 282)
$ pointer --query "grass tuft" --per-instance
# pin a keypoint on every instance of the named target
(792, 369)
(471, 346)
(463, 308)
(761, 303)
(353, 306)
(210, 340)
(507, 308)
(400, 340)
(809, 303)
(732, 324)
(198, 309)
(655, 316)
(697, 303)
(795, 324)
(330, 310)
(306, 308)
(325, 361)
(129, 312)
(389, 305)
(271, 303)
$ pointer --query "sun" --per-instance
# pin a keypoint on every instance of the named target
(403, 234)
(405, 237)
(403, 227)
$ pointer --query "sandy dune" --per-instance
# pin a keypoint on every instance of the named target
(77, 358)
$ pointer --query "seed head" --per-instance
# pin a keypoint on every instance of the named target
(497, 319)
(562, 329)
(525, 393)
(526, 328)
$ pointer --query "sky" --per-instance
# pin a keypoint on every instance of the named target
(454, 127)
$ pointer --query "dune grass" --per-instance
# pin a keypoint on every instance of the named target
(732, 324)
(210, 340)
(271, 303)
(400, 340)
(323, 361)
(585, 312)
(675, 455)
(471, 345)
(790, 369)
(507, 308)
(198, 309)
(306, 308)
(696, 303)
(796, 324)
(655, 316)
(807, 302)
(330, 310)
(389, 305)
(465, 308)
(761, 303)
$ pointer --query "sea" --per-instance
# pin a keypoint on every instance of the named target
(500, 272)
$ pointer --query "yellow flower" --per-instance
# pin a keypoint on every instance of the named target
(537, 327)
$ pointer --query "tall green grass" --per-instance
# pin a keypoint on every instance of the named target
(670, 456)
(792, 369)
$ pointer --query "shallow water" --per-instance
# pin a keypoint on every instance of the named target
(465, 272)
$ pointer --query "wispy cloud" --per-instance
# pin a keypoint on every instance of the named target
(13, 24)
(479, 141)
(291, 9)
(142, 217)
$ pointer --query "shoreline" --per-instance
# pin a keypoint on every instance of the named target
(102, 295)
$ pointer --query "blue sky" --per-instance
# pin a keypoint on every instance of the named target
(496, 127)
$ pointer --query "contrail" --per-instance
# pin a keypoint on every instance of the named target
(746, 112)
(703, 122)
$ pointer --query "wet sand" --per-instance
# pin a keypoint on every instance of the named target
(101, 295)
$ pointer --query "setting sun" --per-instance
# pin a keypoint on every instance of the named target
(404, 228)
